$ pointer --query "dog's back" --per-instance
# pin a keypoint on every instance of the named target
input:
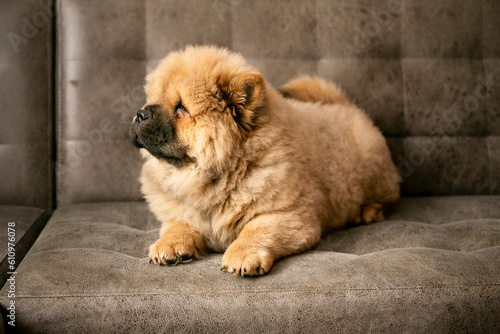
(346, 138)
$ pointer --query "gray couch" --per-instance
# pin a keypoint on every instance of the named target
(428, 72)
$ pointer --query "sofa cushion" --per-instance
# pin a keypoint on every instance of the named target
(26, 91)
(432, 265)
(28, 222)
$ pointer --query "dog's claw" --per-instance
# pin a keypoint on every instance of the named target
(223, 267)
(186, 257)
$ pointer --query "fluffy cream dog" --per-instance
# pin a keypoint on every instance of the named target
(233, 166)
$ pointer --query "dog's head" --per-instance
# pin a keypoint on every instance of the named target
(202, 103)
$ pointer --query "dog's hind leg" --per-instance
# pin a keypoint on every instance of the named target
(370, 212)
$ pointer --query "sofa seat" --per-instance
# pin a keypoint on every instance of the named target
(433, 265)
(29, 221)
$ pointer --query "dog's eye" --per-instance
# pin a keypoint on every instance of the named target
(180, 109)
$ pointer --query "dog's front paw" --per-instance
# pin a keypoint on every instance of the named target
(169, 250)
(246, 260)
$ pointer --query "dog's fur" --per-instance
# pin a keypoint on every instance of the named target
(231, 165)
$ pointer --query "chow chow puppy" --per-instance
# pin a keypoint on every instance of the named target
(232, 166)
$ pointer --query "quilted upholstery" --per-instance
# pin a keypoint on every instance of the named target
(432, 266)
(25, 129)
(424, 70)
(26, 103)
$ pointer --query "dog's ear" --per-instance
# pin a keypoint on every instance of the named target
(244, 95)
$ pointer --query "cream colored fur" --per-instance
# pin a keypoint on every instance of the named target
(268, 191)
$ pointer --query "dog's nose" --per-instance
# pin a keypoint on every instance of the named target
(141, 115)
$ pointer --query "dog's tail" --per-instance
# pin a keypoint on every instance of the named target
(313, 89)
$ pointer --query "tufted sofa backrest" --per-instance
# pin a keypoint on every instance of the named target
(26, 142)
(427, 72)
